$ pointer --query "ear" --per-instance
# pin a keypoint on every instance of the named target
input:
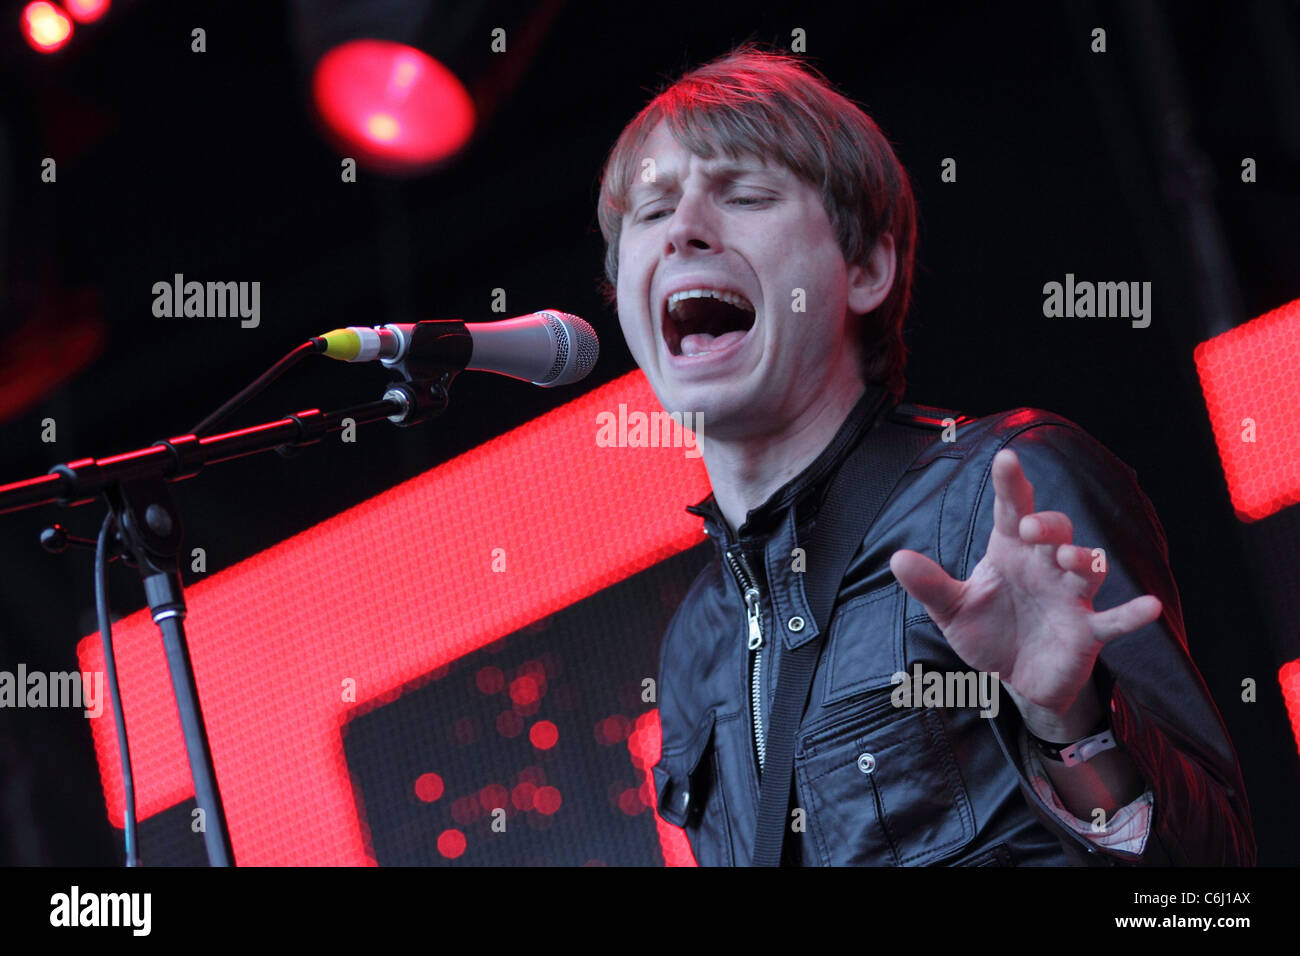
(869, 285)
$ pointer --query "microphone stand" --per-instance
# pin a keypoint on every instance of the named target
(134, 484)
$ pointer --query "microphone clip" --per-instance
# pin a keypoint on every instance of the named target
(423, 397)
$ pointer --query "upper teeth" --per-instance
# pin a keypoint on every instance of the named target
(731, 298)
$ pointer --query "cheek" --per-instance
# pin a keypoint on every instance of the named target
(629, 308)
(822, 297)
(829, 276)
(631, 319)
(628, 277)
(631, 292)
(631, 329)
(806, 258)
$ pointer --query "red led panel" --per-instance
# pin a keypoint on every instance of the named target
(1289, 677)
(289, 643)
(1251, 379)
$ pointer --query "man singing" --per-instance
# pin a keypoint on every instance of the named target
(760, 240)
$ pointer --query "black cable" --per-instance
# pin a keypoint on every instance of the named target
(316, 344)
(110, 666)
(101, 589)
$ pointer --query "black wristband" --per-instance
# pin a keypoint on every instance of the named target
(1052, 751)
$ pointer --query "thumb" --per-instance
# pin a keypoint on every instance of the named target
(928, 582)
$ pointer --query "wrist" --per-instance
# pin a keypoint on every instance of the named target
(1077, 721)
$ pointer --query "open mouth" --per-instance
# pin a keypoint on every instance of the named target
(699, 321)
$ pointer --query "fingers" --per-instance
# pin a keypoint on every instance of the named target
(1046, 527)
(1084, 574)
(1128, 617)
(929, 583)
(1013, 494)
(1046, 531)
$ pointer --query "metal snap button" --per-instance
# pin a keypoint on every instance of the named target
(866, 763)
(795, 624)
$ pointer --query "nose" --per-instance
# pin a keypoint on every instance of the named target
(692, 228)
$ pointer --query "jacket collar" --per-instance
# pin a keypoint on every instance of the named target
(762, 520)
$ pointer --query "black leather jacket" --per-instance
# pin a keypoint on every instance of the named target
(882, 785)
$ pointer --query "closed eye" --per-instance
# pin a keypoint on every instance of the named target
(745, 201)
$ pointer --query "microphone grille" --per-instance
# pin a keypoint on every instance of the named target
(577, 351)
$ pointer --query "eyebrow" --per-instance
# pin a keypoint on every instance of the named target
(665, 182)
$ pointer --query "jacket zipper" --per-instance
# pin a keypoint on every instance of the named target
(755, 645)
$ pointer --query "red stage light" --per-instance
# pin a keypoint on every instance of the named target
(493, 796)
(524, 690)
(1289, 677)
(522, 796)
(86, 11)
(1251, 379)
(510, 724)
(45, 26)
(62, 337)
(544, 735)
(429, 787)
(451, 843)
(547, 800)
(629, 802)
(465, 810)
(391, 106)
(490, 680)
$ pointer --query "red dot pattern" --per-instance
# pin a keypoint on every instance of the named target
(543, 735)
(490, 680)
(547, 800)
(1253, 372)
(613, 730)
(510, 724)
(523, 794)
(1289, 677)
(428, 787)
(525, 690)
(262, 623)
(493, 796)
(451, 843)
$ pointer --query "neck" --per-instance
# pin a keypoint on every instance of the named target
(746, 471)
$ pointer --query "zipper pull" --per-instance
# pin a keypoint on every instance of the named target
(755, 619)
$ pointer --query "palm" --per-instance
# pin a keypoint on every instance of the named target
(1026, 610)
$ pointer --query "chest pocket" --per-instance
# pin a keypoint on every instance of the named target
(865, 646)
(689, 794)
(880, 782)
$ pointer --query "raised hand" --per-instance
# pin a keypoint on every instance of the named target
(1026, 610)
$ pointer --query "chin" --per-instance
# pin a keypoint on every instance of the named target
(721, 406)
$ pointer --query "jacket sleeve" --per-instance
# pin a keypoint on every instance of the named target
(1161, 709)
(1128, 828)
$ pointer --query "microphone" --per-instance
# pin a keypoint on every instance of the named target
(547, 348)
